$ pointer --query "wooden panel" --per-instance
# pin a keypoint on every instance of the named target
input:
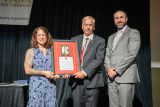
(156, 87)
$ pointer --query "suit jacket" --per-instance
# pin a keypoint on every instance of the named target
(124, 56)
(92, 61)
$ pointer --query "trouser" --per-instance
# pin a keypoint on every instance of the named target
(121, 94)
(83, 97)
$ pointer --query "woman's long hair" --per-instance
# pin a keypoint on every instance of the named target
(34, 43)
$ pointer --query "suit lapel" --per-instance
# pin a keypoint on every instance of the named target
(91, 42)
(80, 44)
(112, 40)
(122, 36)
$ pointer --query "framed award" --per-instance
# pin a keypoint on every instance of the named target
(65, 57)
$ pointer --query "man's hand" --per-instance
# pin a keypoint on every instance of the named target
(66, 76)
(111, 73)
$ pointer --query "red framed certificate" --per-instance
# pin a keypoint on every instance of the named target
(65, 57)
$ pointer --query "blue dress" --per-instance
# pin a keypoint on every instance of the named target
(42, 91)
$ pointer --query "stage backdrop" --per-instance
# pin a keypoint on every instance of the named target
(14, 12)
(63, 20)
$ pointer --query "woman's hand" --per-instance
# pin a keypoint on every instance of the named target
(56, 77)
(49, 74)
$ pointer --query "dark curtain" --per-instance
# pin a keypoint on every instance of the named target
(63, 20)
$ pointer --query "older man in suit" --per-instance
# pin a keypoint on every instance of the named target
(91, 50)
(121, 62)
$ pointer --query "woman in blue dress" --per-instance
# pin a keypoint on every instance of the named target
(38, 64)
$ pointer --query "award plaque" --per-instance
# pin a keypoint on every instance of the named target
(65, 57)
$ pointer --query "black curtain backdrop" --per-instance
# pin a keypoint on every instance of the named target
(63, 20)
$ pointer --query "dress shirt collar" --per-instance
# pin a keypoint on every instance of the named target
(90, 36)
(123, 29)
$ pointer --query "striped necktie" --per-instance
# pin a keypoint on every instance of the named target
(84, 49)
